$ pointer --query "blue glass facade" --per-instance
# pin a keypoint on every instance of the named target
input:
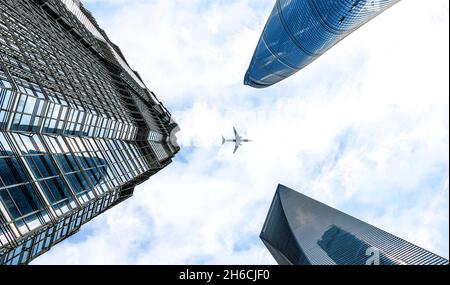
(299, 31)
(301, 231)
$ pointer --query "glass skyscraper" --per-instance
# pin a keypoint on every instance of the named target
(299, 31)
(301, 231)
(78, 127)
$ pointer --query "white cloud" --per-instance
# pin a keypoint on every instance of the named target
(364, 128)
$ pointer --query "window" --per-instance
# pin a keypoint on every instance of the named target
(46, 172)
(17, 195)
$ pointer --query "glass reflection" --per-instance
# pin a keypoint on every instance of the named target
(19, 197)
(356, 252)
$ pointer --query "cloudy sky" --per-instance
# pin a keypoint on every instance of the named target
(365, 129)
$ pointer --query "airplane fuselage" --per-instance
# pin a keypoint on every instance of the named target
(237, 141)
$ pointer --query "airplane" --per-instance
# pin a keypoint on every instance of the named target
(237, 141)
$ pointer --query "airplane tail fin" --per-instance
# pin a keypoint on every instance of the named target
(223, 140)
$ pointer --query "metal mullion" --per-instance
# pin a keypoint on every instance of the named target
(87, 151)
(432, 260)
(14, 99)
(56, 54)
(65, 119)
(44, 116)
(151, 151)
(129, 159)
(7, 233)
(51, 213)
(425, 258)
(138, 157)
(21, 216)
(9, 222)
(408, 252)
(60, 171)
(108, 179)
(121, 161)
(399, 246)
(113, 160)
(121, 174)
(84, 115)
(32, 70)
(69, 146)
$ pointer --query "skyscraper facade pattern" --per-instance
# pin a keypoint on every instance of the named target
(301, 231)
(299, 31)
(78, 127)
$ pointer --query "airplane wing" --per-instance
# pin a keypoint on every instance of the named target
(236, 133)
(235, 148)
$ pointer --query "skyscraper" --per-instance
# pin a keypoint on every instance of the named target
(299, 31)
(301, 231)
(78, 127)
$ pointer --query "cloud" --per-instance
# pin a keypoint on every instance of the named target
(364, 128)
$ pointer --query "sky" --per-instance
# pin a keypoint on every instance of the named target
(364, 129)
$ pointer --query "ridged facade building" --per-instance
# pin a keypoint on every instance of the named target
(302, 231)
(78, 127)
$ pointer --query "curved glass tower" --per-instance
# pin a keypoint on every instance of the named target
(299, 31)
(78, 127)
(301, 231)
